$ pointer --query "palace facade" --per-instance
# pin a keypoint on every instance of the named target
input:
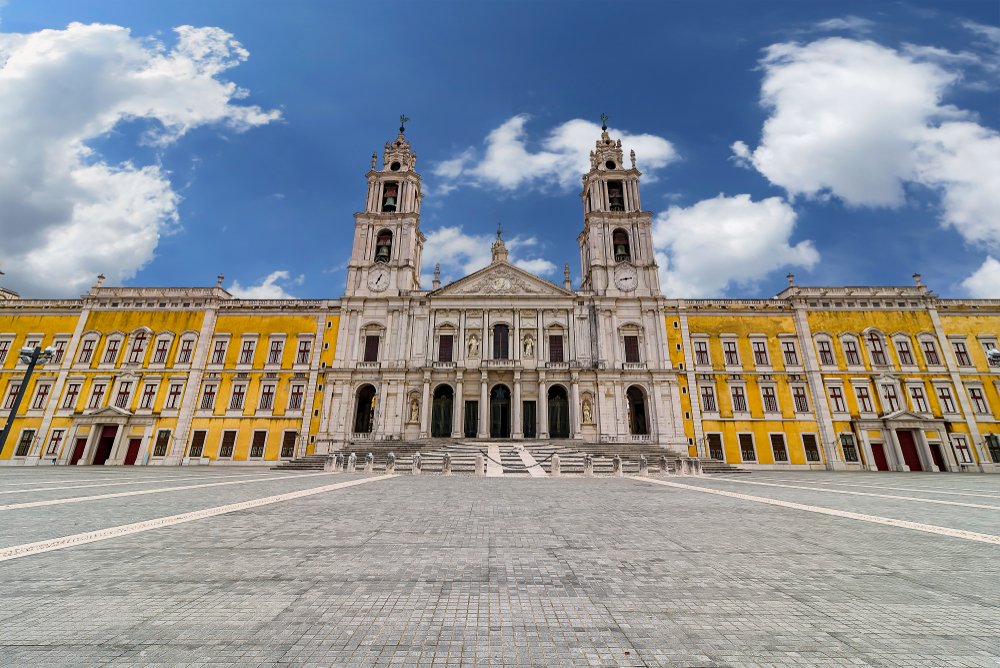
(877, 378)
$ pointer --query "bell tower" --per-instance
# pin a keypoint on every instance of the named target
(385, 256)
(616, 245)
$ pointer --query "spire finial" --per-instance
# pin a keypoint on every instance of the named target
(220, 278)
(100, 280)
(604, 122)
(499, 229)
(402, 123)
(791, 279)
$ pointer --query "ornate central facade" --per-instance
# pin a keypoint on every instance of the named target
(867, 377)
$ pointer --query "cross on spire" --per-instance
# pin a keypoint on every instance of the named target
(402, 123)
(499, 230)
(604, 122)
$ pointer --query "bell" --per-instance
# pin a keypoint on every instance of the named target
(382, 252)
(621, 249)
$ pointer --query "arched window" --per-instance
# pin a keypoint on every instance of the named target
(390, 195)
(383, 246)
(501, 342)
(616, 196)
(619, 239)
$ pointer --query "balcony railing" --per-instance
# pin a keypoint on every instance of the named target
(369, 365)
(498, 364)
(633, 366)
(443, 365)
(640, 438)
(557, 365)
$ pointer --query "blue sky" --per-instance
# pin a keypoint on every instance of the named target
(847, 142)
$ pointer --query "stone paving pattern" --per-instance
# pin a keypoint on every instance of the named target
(449, 571)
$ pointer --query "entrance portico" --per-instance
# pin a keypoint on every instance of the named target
(905, 441)
(114, 437)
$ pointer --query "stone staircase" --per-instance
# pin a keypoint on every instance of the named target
(463, 454)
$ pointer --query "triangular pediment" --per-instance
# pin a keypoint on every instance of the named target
(109, 412)
(501, 279)
(906, 415)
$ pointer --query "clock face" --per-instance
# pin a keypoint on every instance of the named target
(378, 279)
(626, 278)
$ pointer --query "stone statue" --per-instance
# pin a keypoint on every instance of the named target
(473, 345)
(414, 410)
(529, 347)
(588, 412)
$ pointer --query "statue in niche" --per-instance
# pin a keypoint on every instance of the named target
(414, 410)
(473, 345)
(529, 347)
(588, 411)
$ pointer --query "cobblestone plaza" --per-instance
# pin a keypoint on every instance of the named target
(508, 571)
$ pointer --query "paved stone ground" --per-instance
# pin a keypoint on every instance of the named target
(448, 571)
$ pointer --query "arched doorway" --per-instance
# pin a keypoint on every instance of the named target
(500, 412)
(558, 412)
(441, 409)
(636, 410)
(364, 415)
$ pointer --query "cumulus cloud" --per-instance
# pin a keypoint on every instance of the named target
(68, 214)
(984, 282)
(726, 242)
(461, 254)
(863, 123)
(507, 162)
(270, 287)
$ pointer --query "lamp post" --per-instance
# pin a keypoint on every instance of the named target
(31, 357)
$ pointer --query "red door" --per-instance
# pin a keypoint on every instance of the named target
(937, 457)
(104, 445)
(133, 451)
(878, 453)
(81, 445)
(909, 448)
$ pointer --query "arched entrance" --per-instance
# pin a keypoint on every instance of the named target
(636, 410)
(364, 414)
(558, 412)
(500, 412)
(441, 409)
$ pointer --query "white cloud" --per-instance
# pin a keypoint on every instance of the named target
(563, 156)
(269, 287)
(68, 214)
(984, 282)
(461, 254)
(848, 23)
(725, 242)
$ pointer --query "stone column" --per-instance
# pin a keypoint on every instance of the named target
(924, 450)
(900, 462)
(484, 428)
(424, 406)
(866, 447)
(458, 409)
(543, 407)
(515, 409)
(574, 405)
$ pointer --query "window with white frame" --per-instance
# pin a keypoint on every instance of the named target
(978, 399)
(257, 444)
(837, 403)
(701, 356)
(760, 357)
(988, 345)
(72, 394)
(790, 353)
(811, 447)
(876, 349)
(919, 399)
(124, 394)
(800, 397)
(174, 396)
(274, 351)
(632, 355)
(12, 391)
(24, 443)
(295, 397)
(246, 352)
(97, 393)
(961, 353)
(4, 349)
(111, 350)
(963, 454)
(739, 399)
(730, 353)
(778, 448)
(849, 447)
(186, 351)
(930, 352)
(708, 403)
(993, 447)
(825, 350)
(60, 350)
(890, 398)
(237, 397)
(219, 351)
(769, 398)
(267, 396)
(851, 353)
(228, 444)
(55, 441)
(208, 397)
(148, 396)
(162, 443)
(946, 399)
(747, 450)
(41, 396)
(86, 351)
(305, 347)
(135, 353)
(864, 396)
(904, 352)
(161, 350)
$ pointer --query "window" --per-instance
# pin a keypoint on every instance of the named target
(257, 445)
(747, 451)
(978, 401)
(616, 198)
(446, 344)
(41, 396)
(877, 350)
(962, 453)
(837, 400)
(55, 441)
(729, 352)
(219, 352)
(288, 444)
(60, 347)
(267, 397)
(919, 400)
(390, 194)
(173, 396)
(124, 393)
(778, 448)
(769, 398)
(708, 399)
(715, 450)
(791, 356)
(197, 443)
(148, 396)
(72, 392)
(162, 442)
(138, 347)
(274, 354)
(801, 399)
(383, 246)
(961, 353)
(302, 357)
(4, 349)
(701, 353)
(500, 342)
(12, 391)
(24, 445)
(739, 400)
(760, 353)
(905, 354)
(186, 351)
(228, 444)
(111, 352)
(97, 395)
(237, 397)
(371, 348)
(246, 354)
(993, 447)
(849, 448)
(619, 239)
(987, 347)
(864, 400)
(295, 397)
(556, 348)
(930, 352)
(851, 353)
(160, 354)
(891, 398)
(947, 402)
(208, 397)
(631, 349)
(825, 353)
(811, 447)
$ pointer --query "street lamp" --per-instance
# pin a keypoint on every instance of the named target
(31, 357)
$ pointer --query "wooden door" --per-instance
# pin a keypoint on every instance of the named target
(81, 445)
(878, 454)
(104, 445)
(133, 451)
(909, 448)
